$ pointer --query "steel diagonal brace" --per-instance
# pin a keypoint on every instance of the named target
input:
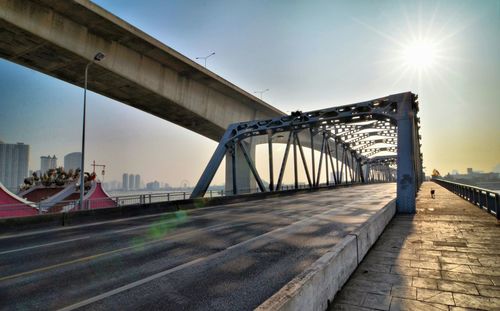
(212, 166)
(283, 164)
(252, 167)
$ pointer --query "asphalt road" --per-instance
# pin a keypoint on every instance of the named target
(230, 257)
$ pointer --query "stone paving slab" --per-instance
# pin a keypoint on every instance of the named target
(445, 257)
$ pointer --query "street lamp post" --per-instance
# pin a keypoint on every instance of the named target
(205, 58)
(98, 57)
(261, 92)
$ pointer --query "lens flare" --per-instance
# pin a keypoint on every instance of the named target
(420, 54)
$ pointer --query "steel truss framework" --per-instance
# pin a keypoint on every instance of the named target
(372, 141)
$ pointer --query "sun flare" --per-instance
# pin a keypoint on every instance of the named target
(420, 54)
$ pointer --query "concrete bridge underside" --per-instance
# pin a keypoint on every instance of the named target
(60, 37)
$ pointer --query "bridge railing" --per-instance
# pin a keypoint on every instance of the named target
(483, 198)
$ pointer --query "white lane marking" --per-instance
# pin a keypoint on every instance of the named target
(93, 257)
(102, 223)
(226, 211)
(194, 210)
(95, 235)
(235, 204)
(155, 276)
(168, 221)
(146, 226)
(130, 285)
(43, 245)
(172, 238)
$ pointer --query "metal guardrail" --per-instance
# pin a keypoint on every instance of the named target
(483, 198)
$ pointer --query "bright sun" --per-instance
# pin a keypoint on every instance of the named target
(420, 54)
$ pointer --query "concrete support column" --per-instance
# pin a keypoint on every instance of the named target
(245, 182)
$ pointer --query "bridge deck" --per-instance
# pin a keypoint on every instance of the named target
(446, 257)
(229, 257)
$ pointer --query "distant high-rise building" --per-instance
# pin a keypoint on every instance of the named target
(469, 170)
(155, 185)
(111, 185)
(72, 161)
(131, 182)
(47, 163)
(125, 181)
(13, 164)
(114, 185)
(137, 181)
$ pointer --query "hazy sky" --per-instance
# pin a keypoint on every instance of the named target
(310, 54)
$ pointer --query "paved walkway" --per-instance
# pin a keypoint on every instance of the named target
(446, 257)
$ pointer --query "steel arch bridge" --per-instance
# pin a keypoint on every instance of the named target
(371, 141)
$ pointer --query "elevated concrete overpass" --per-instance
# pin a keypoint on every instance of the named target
(59, 37)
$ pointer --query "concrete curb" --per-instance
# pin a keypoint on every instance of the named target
(316, 287)
(369, 232)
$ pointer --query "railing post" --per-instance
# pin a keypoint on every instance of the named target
(479, 198)
(490, 201)
(497, 205)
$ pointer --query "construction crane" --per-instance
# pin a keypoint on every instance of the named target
(99, 165)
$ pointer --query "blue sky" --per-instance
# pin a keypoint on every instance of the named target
(310, 54)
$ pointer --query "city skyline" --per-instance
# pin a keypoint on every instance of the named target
(347, 52)
(495, 169)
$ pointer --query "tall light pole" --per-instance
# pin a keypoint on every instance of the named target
(261, 92)
(205, 58)
(98, 57)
